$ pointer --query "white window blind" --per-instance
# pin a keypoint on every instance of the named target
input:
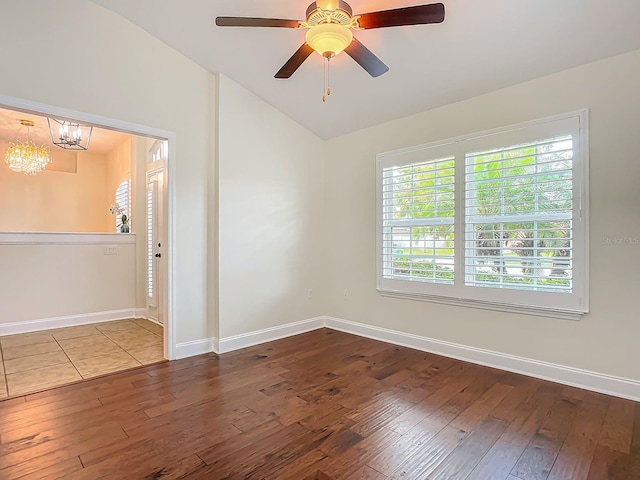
(150, 240)
(418, 214)
(123, 200)
(519, 209)
(494, 220)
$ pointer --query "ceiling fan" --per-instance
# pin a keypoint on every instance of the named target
(329, 25)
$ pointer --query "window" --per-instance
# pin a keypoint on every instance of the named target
(418, 208)
(159, 151)
(123, 200)
(494, 220)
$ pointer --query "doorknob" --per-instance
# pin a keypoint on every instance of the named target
(158, 255)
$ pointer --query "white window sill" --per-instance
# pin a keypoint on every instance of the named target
(500, 307)
(47, 238)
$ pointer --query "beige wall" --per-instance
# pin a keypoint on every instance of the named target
(606, 339)
(270, 212)
(55, 201)
(48, 281)
(119, 167)
(123, 73)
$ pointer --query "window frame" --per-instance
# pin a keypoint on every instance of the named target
(559, 305)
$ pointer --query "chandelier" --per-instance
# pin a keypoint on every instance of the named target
(26, 157)
(69, 135)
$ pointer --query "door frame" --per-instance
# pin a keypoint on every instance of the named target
(27, 106)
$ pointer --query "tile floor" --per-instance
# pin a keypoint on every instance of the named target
(49, 358)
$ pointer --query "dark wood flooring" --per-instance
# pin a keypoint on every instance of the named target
(322, 405)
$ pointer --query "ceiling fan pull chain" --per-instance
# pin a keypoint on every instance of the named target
(328, 75)
(324, 81)
(327, 79)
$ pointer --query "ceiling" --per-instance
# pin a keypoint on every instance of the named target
(482, 46)
(102, 141)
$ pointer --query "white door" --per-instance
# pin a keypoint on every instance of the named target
(155, 244)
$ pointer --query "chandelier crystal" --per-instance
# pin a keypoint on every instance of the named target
(27, 157)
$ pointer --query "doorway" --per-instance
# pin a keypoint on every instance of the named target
(156, 238)
(45, 334)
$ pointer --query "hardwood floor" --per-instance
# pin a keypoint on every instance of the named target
(322, 405)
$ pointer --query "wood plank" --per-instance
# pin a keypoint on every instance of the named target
(617, 430)
(480, 409)
(301, 467)
(378, 412)
(635, 436)
(432, 454)
(367, 473)
(389, 459)
(526, 418)
(67, 446)
(608, 464)
(158, 467)
(581, 440)
(62, 469)
(456, 383)
(470, 451)
(537, 459)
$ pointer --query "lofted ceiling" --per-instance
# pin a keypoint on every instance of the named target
(482, 46)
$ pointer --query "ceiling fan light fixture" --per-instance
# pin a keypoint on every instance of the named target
(329, 39)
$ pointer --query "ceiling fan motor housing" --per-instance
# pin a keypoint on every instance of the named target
(341, 15)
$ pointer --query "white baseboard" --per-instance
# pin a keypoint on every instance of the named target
(196, 347)
(269, 334)
(597, 382)
(66, 321)
(575, 377)
(142, 313)
(153, 320)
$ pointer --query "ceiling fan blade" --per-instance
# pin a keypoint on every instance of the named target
(256, 22)
(366, 59)
(295, 61)
(419, 15)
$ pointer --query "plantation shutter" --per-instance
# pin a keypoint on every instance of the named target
(418, 213)
(123, 200)
(151, 192)
(518, 216)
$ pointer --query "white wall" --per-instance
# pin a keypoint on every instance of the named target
(606, 339)
(119, 71)
(270, 182)
(48, 281)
